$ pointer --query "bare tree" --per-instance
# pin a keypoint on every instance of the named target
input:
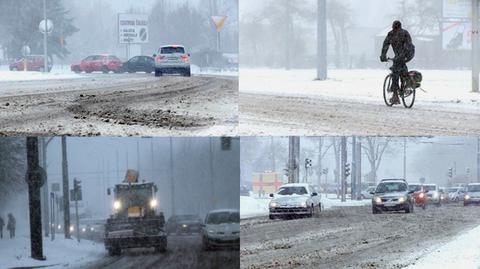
(374, 148)
(339, 18)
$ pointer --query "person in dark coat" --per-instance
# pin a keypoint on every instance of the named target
(11, 225)
(2, 223)
(404, 50)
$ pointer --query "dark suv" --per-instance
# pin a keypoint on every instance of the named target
(392, 195)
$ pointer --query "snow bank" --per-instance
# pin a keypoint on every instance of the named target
(60, 253)
(57, 72)
(463, 252)
(255, 207)
(213, 72)
(443, 87)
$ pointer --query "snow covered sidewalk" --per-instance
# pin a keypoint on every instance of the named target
(463, 252)
(60, 253)
(255, 207)
(56, 73)
(450, 88)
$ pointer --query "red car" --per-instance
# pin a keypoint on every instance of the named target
(34, 63)
(419, 194)
(101, 63)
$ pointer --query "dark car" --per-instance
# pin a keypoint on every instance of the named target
(392, 195)
(139, 64)
(33, 63)
(101, 63)
(184, 224)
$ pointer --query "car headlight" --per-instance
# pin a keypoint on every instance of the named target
(435, 195)
(467, 197)
(117, 205)
(92, 229)
(401, 199)
(84, 230)
(273, 204)
(421, 195)
(184, 225)
(211, 231)
(378, 200)
(153, 203)
(71, 228)
(303, 204)
(59, 227)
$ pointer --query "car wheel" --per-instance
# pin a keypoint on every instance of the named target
(158, 72)
(160, 249)
(424, 205)
(375, 211)
(311, 211)
(271, 216)
(187, 73)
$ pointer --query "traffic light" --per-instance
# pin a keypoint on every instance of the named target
(77, 190)
(347, 169)
(308, 163)
(450, 172)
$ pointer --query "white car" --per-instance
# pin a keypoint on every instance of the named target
(472, 194)
(221, 229)
(366, 193)
(172, 59)
(295, 199)
(433, 194)
(455, 194)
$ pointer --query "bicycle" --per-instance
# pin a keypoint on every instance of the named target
(408, 85)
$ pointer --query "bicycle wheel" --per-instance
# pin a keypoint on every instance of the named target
(408, 96)
(387, 91)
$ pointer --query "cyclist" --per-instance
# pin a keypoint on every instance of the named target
(404, 50)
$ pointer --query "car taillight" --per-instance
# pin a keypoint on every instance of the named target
(185, 58)
(159, 58)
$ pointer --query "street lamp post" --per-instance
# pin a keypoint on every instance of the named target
(45, 61)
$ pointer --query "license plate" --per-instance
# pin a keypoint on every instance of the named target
(390, 204)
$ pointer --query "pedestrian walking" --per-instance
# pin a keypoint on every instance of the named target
(11, 225)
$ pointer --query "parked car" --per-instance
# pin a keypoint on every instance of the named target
(34, 63)
(392, 195)
(367, 193)
(172, 59)
(472, 194)
(221, 229)
(433, 194)
(98, 63)
(139, 64)
(184, 224)
(295, 199)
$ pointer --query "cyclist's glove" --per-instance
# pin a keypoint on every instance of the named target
(383, 58)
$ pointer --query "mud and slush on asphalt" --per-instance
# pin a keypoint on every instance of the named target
(352, 237)
(135, 104)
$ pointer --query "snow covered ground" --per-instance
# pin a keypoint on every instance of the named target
(463, 252)
(57, 72)
(255, 207)
(443, 87)
(60, 253)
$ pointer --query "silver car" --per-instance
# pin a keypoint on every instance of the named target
(221, 229)
(472, 194)
(295, 199)
(172, 59)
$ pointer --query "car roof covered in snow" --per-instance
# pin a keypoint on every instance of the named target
(173, 46)
(224, 210)
(472, 184)
(295, 185)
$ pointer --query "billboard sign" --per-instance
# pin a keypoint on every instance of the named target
(132, 28)
(457, 9)
(457, 35)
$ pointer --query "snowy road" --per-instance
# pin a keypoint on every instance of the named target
(183, 252)
(352, 237)
(126, 104)
(265, 114)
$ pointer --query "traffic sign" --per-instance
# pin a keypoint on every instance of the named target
(49, 28)
(219, 22)
(132, 28)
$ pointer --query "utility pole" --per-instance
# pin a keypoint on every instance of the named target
(405, 157)
(293, 157)
(353, 178)
(172, 181)
(46, 221)
(320, 168)
(358, 169)
(475, 33)
(52, 217)
(272, 145)
(321, 39)
(478, 159)
(343, 178)
(66, 199)
(212, 173)
(35, 178)
(288, 33)
(45, 54)
(76, 197)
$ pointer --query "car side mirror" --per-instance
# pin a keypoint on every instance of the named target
(108, 191)
(188, 54)
(410, 192)
(314, 194)
(271, 195)
(154, 55)
(372, 192)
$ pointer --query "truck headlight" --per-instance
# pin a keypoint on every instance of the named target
(273, 204)
(378, 200)
(153, 203)
(401, 199)
(117, 205)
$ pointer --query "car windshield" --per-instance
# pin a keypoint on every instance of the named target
(223, 217)
(473, 188)
(170, 50)
(391, 187)
(187, 217)
(451, 190)
(112, 57)
(292, 190)
(430, 187)
(414, 188)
